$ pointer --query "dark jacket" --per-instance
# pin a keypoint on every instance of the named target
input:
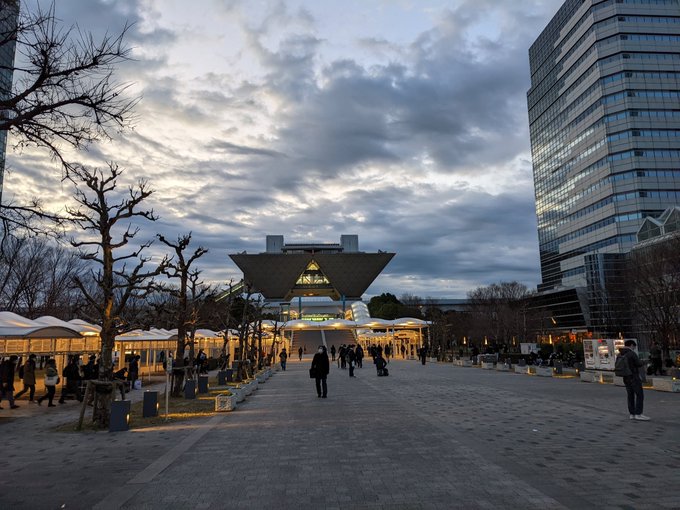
(320, 364)
(7, 375)
(29, 372)
(380, 363)
(71, 372)
(633, 360)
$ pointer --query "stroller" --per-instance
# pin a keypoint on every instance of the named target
(381, 366)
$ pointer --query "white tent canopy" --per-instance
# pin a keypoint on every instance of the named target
(17, 327)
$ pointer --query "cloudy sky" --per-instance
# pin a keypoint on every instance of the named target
(402, 121)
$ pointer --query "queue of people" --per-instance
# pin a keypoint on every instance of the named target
(71, 378)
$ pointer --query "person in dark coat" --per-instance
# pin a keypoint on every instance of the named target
(300, 353)
(71, 373)
(423, 354)
(283, 356)
(320, 369)
(133, 371)
(332, 352)
(633, 382)
(342, 362)
(28, 378)
(7, 380)
(380, 365)
(359, 352)
(351, 358)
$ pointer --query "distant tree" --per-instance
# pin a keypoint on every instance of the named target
(117, 278)
(653, 277)
(499, 310)
(36, 277)
(377, 301)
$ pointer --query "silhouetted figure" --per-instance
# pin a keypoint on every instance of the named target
(320, 368)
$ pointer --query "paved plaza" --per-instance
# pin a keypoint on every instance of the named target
(434, 436)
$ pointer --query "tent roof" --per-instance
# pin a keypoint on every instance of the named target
(13, 325)
(145, 336)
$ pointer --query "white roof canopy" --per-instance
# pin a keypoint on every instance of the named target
(16, 326)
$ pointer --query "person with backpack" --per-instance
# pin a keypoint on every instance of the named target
(27, 375)
(627, 365)
(350, 360)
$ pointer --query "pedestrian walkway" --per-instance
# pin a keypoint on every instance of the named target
(433, 436)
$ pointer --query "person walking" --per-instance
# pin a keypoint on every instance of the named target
(283, 356)
(51, 381)
(333, 352)
(71, 373)
(388, 351)
(342, 353)
(359, 353)
(423, 354)
(300, 353)
(27, 374)
(656, 358)
(133, 371)
(628, 365)
(7, 380)
(351, 360)
(90, 369)
(403, 351)
(320, 369)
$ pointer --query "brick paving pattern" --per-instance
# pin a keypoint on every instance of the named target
(433, 436)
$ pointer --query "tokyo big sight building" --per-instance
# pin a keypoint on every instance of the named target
(604, 115)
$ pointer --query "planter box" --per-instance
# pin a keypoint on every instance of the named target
(502, 367)
(225, 402)
(261, 378)
(487, 366)
(248, 388)
(522, 370)
(589, 376)
(666, 385)
(239, 393)
(618, 381)
(544, 371)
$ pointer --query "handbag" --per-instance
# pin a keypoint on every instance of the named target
(312, 373)
(51, 380)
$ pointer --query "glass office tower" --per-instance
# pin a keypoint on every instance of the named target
(604, 114)
(9, 10)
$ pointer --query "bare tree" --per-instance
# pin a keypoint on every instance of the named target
(36, 277)
(653, 278)
(499, 310)
(101, 215)
(179, 267)
(64, 95)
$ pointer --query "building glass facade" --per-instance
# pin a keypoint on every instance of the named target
(9, 10)
(604, 115)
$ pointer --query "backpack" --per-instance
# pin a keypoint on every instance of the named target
(21, 372)
(622, 366)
